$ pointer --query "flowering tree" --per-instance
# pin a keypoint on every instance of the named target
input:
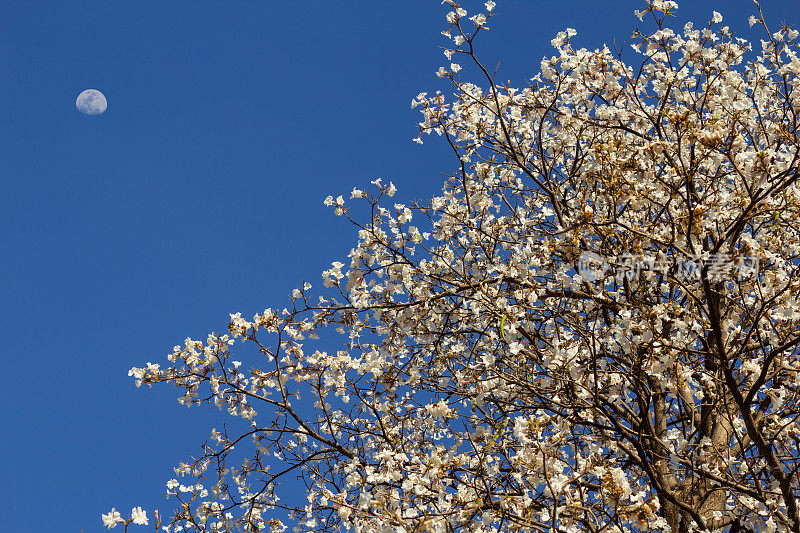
(594, 327)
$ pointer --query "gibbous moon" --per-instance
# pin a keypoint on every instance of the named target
(91, 102)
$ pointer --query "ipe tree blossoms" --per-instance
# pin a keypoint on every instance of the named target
(490, 376)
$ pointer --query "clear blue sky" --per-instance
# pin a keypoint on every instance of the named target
(199, 193)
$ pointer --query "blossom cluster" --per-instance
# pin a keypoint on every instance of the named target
(476, 381)
(138, 517)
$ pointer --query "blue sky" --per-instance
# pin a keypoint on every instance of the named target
(197, 194)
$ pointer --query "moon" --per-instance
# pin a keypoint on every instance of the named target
(91, 102)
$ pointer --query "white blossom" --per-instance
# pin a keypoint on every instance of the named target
(139, 516)
(111, 519)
